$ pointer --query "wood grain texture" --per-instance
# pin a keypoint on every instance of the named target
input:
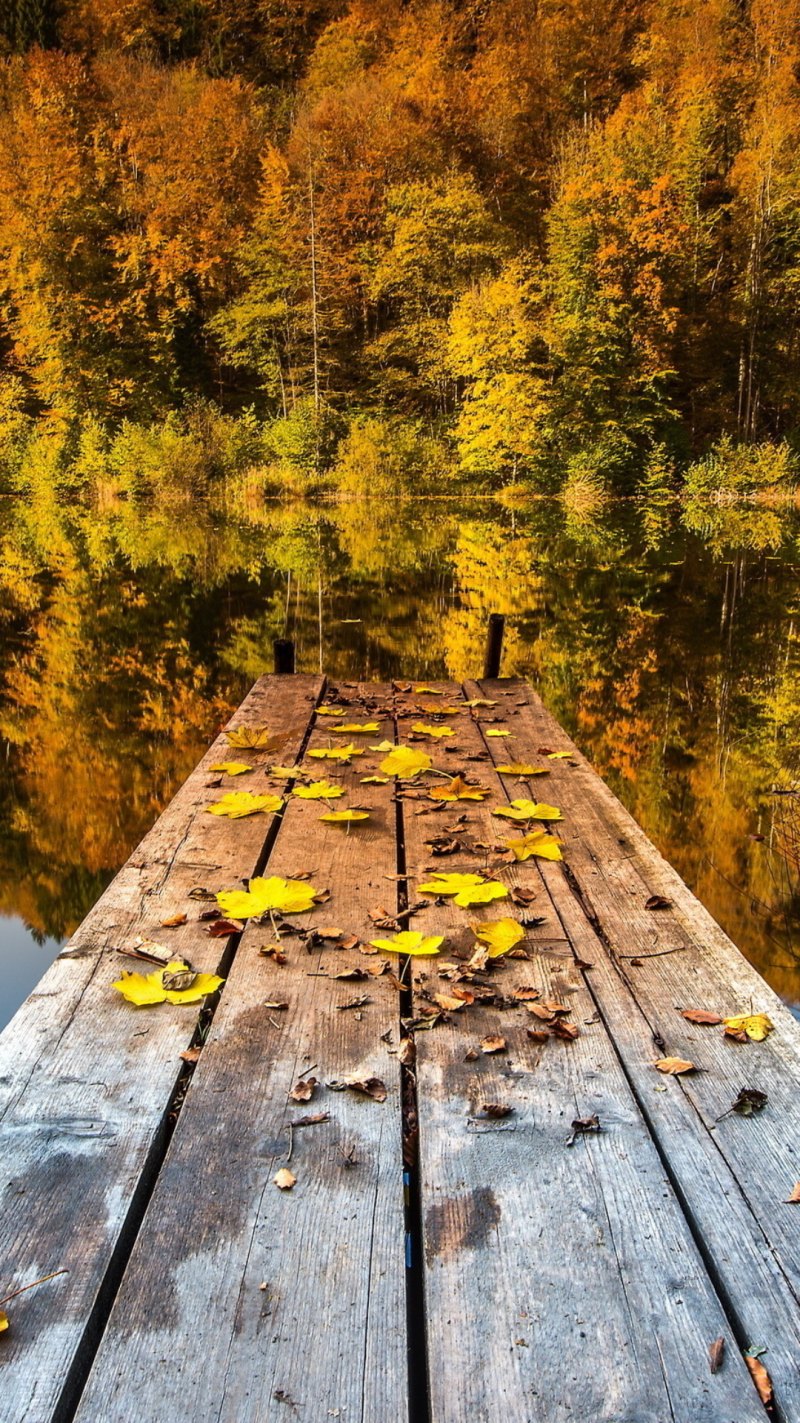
(561, 1281)
(294, 1302)
(86, 1080)
(732, 1174)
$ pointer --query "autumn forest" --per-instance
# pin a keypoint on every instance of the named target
(349, 241)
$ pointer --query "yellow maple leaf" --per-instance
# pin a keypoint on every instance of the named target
(499, 934)
(480, 702)
(458, 789)
(404, 761)
(529, 810)
(496, 731)
(431, 691)
(336, 753)
(331, 711)
(383, 746)
(756, 1025)
(423, 729)
(257, 738)
(318, 790)
(237, 804)
(3, 1321)
(361, 727)
(374, 780)
(344, 817)
(410, 941)
(521, 768)
(143, 990)
(466, 889)
(231, 768)
(288, 896)
(538, 843)
(284, 773)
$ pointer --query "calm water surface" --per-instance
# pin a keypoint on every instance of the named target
(666, 642)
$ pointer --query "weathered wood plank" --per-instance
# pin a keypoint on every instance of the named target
(560, 1281)
(294, 1302)
(86, 1080)
(733, 1175)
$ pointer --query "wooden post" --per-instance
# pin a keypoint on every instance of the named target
(494, 646)
(284, 655)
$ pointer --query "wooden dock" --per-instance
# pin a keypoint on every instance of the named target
(517, 1218)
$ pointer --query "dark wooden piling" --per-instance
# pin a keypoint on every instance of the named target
(283, 651)
(494, 645)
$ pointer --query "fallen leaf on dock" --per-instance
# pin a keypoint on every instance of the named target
(700, 1016)
(368, 1086)
(237, 804)
(232, 768)
(537, 1035)
(760, 1378)
(496, 731)
(374, 780)
(313, 1120)
(657, 901)
(410, 941)
(274, 952)
(423, 728)
(716, 1355)
(304, 1089)
(318, 790)
(222, 928)
(674, 1066)
(748, 1101)
(174, 921)
(567, 1031)
(495, 1110)
(191, 1055)
(583, 1126)
(5, 1322)
(285, 1179)
(535, 843)
(529, 810)
(458, 789)
(336, 753)
(499, 935)
(794, 1198)
(292, 896)
(756, 1026)
(493, 1044)
(257, 738)
(405, 762)
(526, 994)
(145, 990)
(465, 889)
(521, 768)
(344, 817)
(360, 728)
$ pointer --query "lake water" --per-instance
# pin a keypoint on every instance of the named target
(665, 641)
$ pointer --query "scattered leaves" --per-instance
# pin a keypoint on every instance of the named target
(500, 935)
(287, 896)
(237, 804)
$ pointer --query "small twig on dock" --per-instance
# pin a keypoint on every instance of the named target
(659, 953)
(33, 1285)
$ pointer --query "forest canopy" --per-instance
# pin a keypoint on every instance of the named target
(546, 239)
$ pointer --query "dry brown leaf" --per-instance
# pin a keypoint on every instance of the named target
(674, 1066)
(367, 1086)
(285, 1179)
(495, 1109)
(192, 1054)
(537, 1035)
(448, 1003)
(699, 1015)
(526, 994)
(174, 921)
(795, 1195)
(567, 1031)
(760, 1378)
(716, 1355)
(274, 952)
(582, 1126)
(657, 901)
(539, 1011)
(491, 1044)
(303, 1089)
(221, 928)
(311, 1121)
(278, 1007)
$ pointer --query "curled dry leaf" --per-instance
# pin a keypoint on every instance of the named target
(716, 1355)
(303, 1089)
(222, 928)
(313, 1120)
(274, 952)
(760, 1378)
(567, 1031)
(748, 1101)
(583, 1126)
(191, 1055)
(526, 994)
(368, 1086)
(657, 901)
(493, 1044)
(794, 1198)
(700, 1016)
(674, 1066)
(537, 1035)
(285, 1179)
(174, 921)
(495, 1109)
